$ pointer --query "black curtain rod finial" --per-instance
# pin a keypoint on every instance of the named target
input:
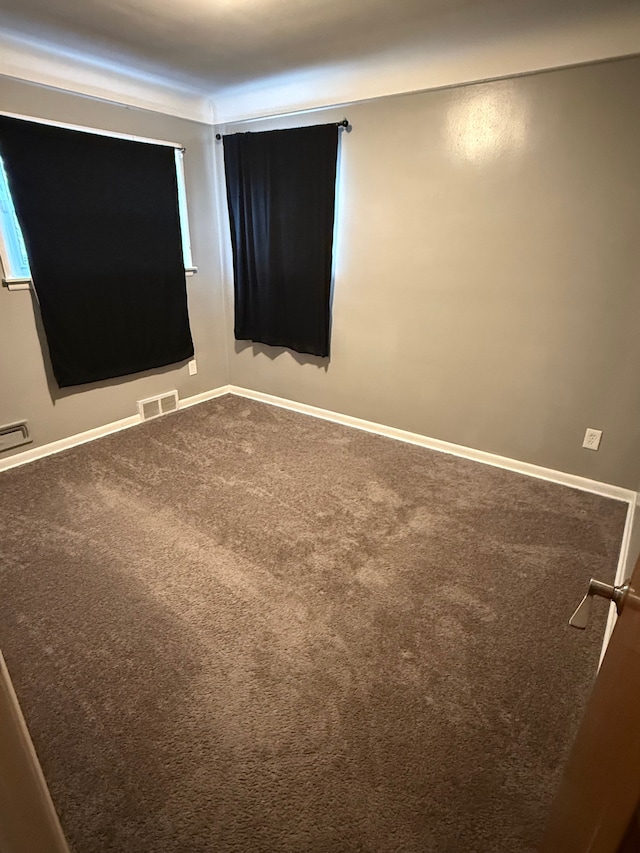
(218, 136)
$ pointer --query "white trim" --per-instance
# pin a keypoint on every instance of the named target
(206, 395)
(435, 64)
(14, 283)
(98, 432)
(81, 71)
(607, 490)
(573, 480)
(75, 66)
(537, 471)
(28, 782)
(66, 443)
(623, 571)
(4, 257)
(183, 212)
(11, 233)
(94, 130)
(564, 479)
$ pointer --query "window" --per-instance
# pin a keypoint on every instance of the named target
(184, 217)
(13, 252)
(12, 248)
(281, 200)
(105, 225)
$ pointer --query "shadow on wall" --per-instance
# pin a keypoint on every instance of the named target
(275, 352)
(52, 385)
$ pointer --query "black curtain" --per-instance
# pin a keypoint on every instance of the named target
(102, 229)
(281, 197)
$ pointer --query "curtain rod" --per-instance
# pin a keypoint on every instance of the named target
(343, 123)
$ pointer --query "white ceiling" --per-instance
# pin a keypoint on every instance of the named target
(232, 47)
(213, 44)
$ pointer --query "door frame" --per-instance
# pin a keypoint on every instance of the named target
(629, 554)
(28, 819)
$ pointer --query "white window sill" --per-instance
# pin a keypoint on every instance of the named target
(17, 283)
(25, 283)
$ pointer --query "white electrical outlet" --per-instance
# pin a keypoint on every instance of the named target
(592, 439)
(193, 367)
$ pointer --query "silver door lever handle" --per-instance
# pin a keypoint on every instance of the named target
(617, 594)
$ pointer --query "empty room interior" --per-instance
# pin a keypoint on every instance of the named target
(319, 422)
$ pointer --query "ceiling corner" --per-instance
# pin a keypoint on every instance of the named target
(37, 62)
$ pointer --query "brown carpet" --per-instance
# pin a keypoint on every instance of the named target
(241, 629)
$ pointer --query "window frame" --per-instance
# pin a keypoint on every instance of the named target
(8, 221)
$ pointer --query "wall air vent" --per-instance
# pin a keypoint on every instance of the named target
(14, 435)
(169, 402)
(153, 407)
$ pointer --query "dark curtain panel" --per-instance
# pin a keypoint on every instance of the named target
(101, 224)
(281, 197)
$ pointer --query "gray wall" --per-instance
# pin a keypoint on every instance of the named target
(487, 284)
(486, 272)
(24, 389)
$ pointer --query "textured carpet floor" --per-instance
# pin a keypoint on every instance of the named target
(244, 630)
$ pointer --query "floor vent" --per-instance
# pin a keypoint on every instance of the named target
(153, 407)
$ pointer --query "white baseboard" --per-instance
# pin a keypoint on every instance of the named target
(537, 471)
(98, 432)
(206, 395)
(65, 443)
(573, 480)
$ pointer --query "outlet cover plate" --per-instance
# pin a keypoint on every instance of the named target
(592, 439)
